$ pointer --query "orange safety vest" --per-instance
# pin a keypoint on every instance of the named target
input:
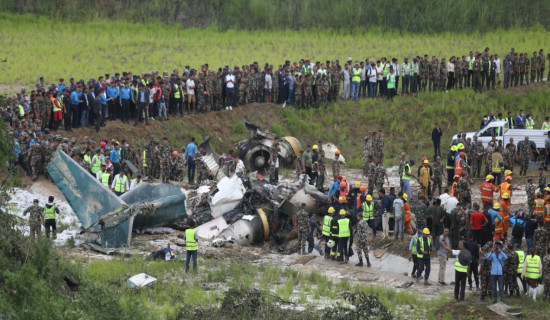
(358, 201)
(453, 190)
(505, 188)
(487, 191)
(539, 207)
(342, 198)
(499, 226)
(547, 216)
(504, 206)
(407, 209)
(458, 166)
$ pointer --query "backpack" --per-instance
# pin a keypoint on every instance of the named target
(517, 231)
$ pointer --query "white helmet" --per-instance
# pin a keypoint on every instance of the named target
(331, 243)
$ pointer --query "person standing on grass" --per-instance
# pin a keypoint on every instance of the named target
(142, 101)
(191, 246)
(268, 86)
(346, 79)
(436, 139)
(497, 258)
(532, 271)
(191, 98)
(372, 76)
(391, 84)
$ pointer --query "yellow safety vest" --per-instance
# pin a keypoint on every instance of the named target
(120, 186)
(547, 216)
(21, 111)
(414, 251)
(471, 64)
(532, 271)
(422, 249)
(144, 159)
(190, 242)
(105, 178)
(54, 106)
(136, 183)
(529, 124)
(343, 228)
(177, 93)
(391, 82)
(404, 176)
(459, 267)
(326, 225)
(356, 75)
(539, 207)
(88, 159)
(368, 211)
(521, 258)
(97, 165)
(49, 213)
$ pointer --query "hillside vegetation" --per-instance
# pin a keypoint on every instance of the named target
(423, 16)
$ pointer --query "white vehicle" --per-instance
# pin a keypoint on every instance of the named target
(500, 130)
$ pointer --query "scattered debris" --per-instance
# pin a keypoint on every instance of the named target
(406, 285)
(140, 280)
(362, 306)
(502, 310)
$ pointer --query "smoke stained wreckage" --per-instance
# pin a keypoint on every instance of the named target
(228, 209)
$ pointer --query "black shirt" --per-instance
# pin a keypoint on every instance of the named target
(530, 227)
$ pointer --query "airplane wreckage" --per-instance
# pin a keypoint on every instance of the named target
(245, 210)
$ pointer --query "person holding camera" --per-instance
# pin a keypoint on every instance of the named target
(497, 258)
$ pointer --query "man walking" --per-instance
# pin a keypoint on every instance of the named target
(423, 248)
(301, 222)
(50, 211)
(36, 219)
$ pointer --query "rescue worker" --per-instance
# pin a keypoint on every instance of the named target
(50, 211)
(504, 207)
(521, 260)
(343, 195)
(120, 183)
(368, 213)
(539, 207)
(451, 165)
(413, 252)
(327, 220)
(423, 247)
(498, 223)
(487, 191)
(343, 236)
(532, 270)
(361, 241)
(36, 219)
(136, 182)
(104, 176)
(191, 246)
(334, 231)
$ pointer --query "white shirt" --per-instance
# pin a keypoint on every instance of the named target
(151, 95)
(229, 78)
(268, 82)
(444, 198)
(363, 73)
(497, 61)
(372, 75)
(135, 184)
(450, 67)
(379, 70)
(190, 85)
(450, 204)
(120, 179)
(239, 167)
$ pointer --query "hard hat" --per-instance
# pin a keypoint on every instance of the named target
(505, 195)
(331, 243)
(405, 196)
(363, 189)
(462, 154)
(175, 153)
(507, 172)
(496, 205)
(369, 197)
(331, 210)
(343, 184)
(453, 148)
(315, 147)
(460, 146)
(509, 178)
(337, 152)
(342, 212)
(426, 161)
(357, 184)
(102, 144)
(344, 178)
(426, 231)
(489, 178)
(547, 189)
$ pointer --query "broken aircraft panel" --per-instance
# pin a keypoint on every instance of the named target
(101, 212)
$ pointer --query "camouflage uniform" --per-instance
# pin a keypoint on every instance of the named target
(243, 86)
(424, 70)
(442, 76)
(321, 173)
(202, 169)
(542, 182)
(526, 68)
(458, 74)
(539, 241)
(35, 160)
(323, 91)
(252, 88)
(35, 220)
(421, 214)
(485, 277)
(149, 147)
(371, 176)
(179, 167)
(521, 71)
(302, 219)
(308, 93)
(380, 174)
(217, 97)
(438, 171)
(378, 149)
(298, 93)
(166, 157)
(531, 191)
(155, 157)
(335, 169)
(48, 153)
(488, 160)
(546, 277)
(259, 86)
(511, 273)
(534, 66)
(361, 236)
(201, 98)
(525, 158)
(434, 76)
(335, 85)
(507, 157)
(275, 87)
(210, 84)
(132, 157)
(465, 197)
(476, 159)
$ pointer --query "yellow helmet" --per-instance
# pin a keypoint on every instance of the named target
(315, 147)
(426, 231)
(331, 210)
(505, 195)
(454, 148)
(507, 172)
(342, 212)
(547, 189)
(369, 197)
(357, 184)
(496, 206)
(460, 146)
(489, 178)
(405, 196)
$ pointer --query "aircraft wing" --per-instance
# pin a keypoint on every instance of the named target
(88, 198)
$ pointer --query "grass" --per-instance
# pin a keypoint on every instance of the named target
(38, 45)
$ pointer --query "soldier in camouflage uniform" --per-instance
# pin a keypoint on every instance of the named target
(35, 157)
(463, 187)
(476, 157)
(540, 240)
(275, 82)
(458, 73)
(511, 271)
(260, 81)
(48, 153)
(252, 86)
(148, 153)
(166, 160)
(201, 94)
(378, 147)
(438, 176)
(517, 65)
(301, 221)
(534, 66)
(521, 67)
(155, 157)
(434, 74)
(485, 271)
(542, 180)
(424, 72)
(421, 214)
(167, 90)
(178, 166)
(243, 87)
(442, 75)
(361, 244)
(380, 174)
(36, 218)
(508, 158)
(335, 83)
(526, 67)
(488, 158)
(308, 93)
(298, 93)
(131, 156)
(371, 174)
(541, 65)
(323, 89)
(209, 85)
(485, 65)
(525, 153)
(321, 170)
(203, 173)
(546, 277)
(531, 191)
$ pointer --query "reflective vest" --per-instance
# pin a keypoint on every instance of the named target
(422, 248)
(120, 186)
(105, 178)
(404, 176)
(459, 267)
(505, 188)
(54, 106)
(88, 159)
(144, 159)
(529, 124)
(356, 75)
(532, 271)
(136, 183)
(326, 225)
(358, 201)
(391, 82)
(498, 226)
(190, 242)
(342, 198)
(458, 166)
(343, 228)
(487, 192)
(97, 165)
(504, 206)
(177, 93)
(49, 213)
(496, 167)
(453, 189)
(521, 259)
(471, 64)
(547, 216)
(21, 111)
(539, 206)
(368, 211)
(414, 240)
